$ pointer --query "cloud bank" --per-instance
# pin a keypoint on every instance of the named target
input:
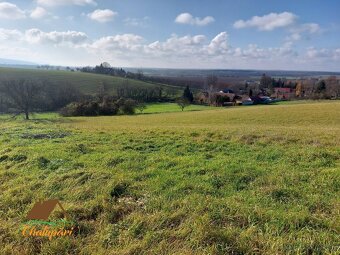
(187, 18)
(268, 22)
(102, 16)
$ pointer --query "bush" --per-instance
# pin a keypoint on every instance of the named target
(81, 109)
(127, 106)
(92, 108)
(72, 109)
(108, 108)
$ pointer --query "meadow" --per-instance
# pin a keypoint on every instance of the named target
(239, 180)
(86, 83)
(173, 107)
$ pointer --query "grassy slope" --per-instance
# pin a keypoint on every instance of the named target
(262, 179)
(172, 107)
(87, 83)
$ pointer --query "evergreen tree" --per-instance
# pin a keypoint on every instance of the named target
(321, 86)
(187, 94)
(250, 93)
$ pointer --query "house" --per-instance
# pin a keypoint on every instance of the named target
(227, 91)
(260, 99)
(203, 97)
(283, 93)
(246, 100)
(228, 97)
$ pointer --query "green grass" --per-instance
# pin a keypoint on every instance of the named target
(85, 82)
(243, 180)
(172, 107)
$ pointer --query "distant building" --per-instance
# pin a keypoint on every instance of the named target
(227, 91)
(283, 93)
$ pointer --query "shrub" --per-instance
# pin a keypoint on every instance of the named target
(72, 109)
(108, 108)
(92, 108)
(81, 109)
(127, 106)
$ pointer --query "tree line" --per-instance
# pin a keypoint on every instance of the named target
(24, 96)
(325, 88)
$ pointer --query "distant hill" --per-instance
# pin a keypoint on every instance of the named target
(225, 73)
(14, 62)
(87, 83)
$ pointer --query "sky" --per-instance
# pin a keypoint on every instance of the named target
(217, 34)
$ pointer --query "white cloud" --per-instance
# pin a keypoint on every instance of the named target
(268, 22)
(39, 13)
(118, 42)
(35, 35)
(218, 44)
(257, 53)
(7, 34)
(10, 11)
(311, 28)
(102, 16)
(187, 18)
(303, 31)
(51, 3)
(75, 48)
(323, 53)
(177, 47)
(135, 22)
(13, 52)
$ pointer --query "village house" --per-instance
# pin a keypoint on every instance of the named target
(283, 93)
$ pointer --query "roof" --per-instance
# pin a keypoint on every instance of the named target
(287, 90)
(42, 209)
(227, 91)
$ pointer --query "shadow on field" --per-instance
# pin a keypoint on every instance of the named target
(148, 113)
(35, 119)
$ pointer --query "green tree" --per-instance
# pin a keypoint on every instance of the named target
(265, 82)
(188, 94)
(321, 86)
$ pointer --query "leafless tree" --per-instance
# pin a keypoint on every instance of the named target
(22, 94)
(212, 81)
(141, 106)
(182, 103)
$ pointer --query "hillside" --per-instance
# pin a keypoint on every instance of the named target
(85, 82)
(242, 180)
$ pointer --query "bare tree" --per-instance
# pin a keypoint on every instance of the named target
(102, 91)
(333, 87)
(141, 106)
(182, 103)
(265, 82)
(140, 74)
(22, 94)
(212, 81)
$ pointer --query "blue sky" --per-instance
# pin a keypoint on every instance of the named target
(286, 35)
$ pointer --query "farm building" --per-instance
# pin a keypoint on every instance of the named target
(283, 93)
(224, 97)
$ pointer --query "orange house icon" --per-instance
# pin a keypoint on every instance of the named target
(43, 209)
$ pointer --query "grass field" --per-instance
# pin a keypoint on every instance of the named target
(85, 82)
(243, 180)
(172, 107)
